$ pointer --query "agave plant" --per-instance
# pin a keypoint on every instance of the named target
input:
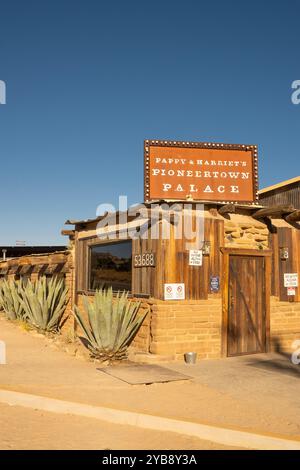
(11, 299)
(113, 322)
(44, 303)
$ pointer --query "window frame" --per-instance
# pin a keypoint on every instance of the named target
(88, 259)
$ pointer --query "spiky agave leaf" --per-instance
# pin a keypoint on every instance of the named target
(44, 302)
(92, 342)
(11, 299)
(58, 303)
(111, 323)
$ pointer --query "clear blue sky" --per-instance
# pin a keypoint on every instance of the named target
(88, 81)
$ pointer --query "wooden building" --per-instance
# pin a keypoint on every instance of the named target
(287, 192)
(240, 296)
(234, 303)
(236, 293)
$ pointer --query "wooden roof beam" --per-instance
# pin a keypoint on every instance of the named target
(273, 211)
(227, 209)
(293, 217)
(68, 233)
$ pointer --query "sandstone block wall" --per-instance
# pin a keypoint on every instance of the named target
(177, 327)
(245, 232)
(285, 324)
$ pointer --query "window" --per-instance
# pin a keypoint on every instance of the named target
(110, 266)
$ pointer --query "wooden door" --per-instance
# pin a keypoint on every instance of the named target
(246, 305)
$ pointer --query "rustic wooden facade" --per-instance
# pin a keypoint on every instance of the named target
(171, 266)
(248, 313)
(235, 302)
(284, 237)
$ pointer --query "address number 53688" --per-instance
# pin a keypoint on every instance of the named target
(144, 260)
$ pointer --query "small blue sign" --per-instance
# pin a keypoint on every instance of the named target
(214, 283)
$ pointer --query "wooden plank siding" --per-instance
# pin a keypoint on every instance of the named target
(172, 263)
(286, 195)
(273, 243)
(289, 238)
(143, 279)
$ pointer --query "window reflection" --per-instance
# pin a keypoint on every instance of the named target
(110, 266)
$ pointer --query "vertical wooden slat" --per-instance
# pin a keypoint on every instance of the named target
(285, 266)
(273, 240)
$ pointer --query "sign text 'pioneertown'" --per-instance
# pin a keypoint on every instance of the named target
(200, 171)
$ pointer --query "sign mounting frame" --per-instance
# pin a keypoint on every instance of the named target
(148, 181)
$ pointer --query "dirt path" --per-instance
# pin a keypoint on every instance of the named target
(254, 401)
(25, 429)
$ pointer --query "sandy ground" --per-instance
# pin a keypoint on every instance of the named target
(25, 429)
(243, 393)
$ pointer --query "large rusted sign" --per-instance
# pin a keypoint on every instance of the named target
(200, 171)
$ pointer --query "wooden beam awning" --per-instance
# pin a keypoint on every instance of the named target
(274, 211)
(293, 216)
(227, 209)
(64, 268)
(68, 233)
(40, 268)
(50, 269)
(26, 269)
(58, 268)
(13, 269)
(17, 269)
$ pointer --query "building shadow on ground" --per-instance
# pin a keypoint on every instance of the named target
(281, 363)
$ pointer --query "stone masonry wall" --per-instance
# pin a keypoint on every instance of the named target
(175, 327)
(245, 232)
(285, 324)
(181, 326)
